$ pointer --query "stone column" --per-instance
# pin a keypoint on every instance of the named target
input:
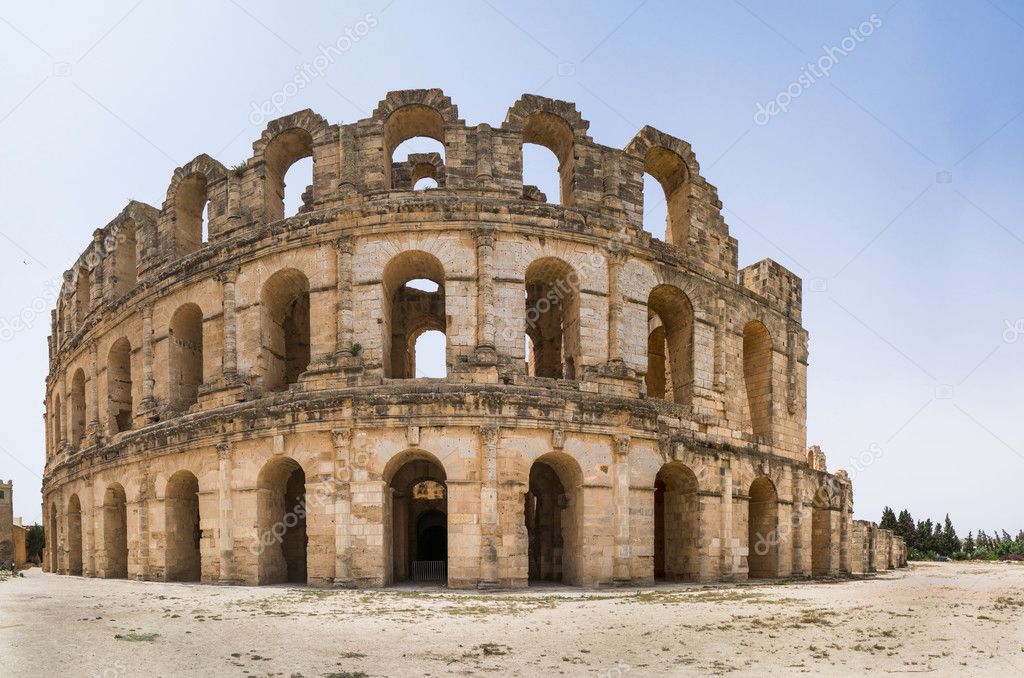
(485, 286)
(228, 279)
(620, 492)
(489, 437)
(784, 527)
(225, 514)
(88, 532)
(342, 507)
(731, 549)
(141, 530)
(343, 245)
(148, 404)
(95, 432)
(615, 260)
(797, 520)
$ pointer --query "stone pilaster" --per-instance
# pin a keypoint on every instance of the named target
(484, 155)
(342, 507)
(95, 432)
(615, 296)
(343, 247)
(148, 403)
(225, 514)
(620, 493)
(489, 438)
(228, 279)
(88, 520)
(485, 286)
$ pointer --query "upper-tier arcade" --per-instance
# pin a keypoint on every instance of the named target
(615, 407)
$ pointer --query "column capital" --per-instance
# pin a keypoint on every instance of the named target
(622, 444)
(343, 244)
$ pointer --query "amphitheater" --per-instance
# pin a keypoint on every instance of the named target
(232, 394)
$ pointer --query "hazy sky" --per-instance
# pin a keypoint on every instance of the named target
(890, 183)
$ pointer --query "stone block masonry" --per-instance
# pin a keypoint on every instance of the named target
(238, 401)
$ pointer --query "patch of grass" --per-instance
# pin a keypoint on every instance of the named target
(137, 637)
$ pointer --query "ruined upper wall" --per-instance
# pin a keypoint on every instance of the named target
(601, 188)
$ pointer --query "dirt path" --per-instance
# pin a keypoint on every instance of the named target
(952, 618)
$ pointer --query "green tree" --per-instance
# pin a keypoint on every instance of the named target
(949, 542)
(968, 545)
(35, 540)
(888, 521)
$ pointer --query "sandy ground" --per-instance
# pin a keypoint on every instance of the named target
(951, 618)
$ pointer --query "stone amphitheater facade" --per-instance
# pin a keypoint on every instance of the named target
(238, 403)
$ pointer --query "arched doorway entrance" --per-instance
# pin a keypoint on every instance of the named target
(181, 528)
(762, 534)
(553, 516)
(115, 532)
(675, 524)
(281, 516)
(74, 535)
(419, 520)
(821, 534)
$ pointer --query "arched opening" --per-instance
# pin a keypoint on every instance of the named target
(281, 517)
(553, 318)
(670, 345)
(191, 216)
(418, 519)
(676, 535)
(553, 519)
(762, 529)
(115, 532)
(83, 294)
(182, 532)
(74, 536)
(413, 136)
(119, 386)
(414, 304)
(185, 356)
(78, 408)
(670, 171)
(50, 537)
(288, 163)
(286, 331)
(757, 376)
(821, 534)
(126, 273)
(554, 134)
(428, 355)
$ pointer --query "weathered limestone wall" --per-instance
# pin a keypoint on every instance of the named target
(197, 387)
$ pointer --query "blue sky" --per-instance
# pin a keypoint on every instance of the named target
(892, 185)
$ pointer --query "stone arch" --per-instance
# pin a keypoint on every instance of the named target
(417, 505)
(670, 345)
(553, 318)
(285, 328)
(74, 539)
(115, 532)
(408, 311)
(821, 533)
(671, 162)
(187, 196)
(555, 125)
(762, 529)
(119, 386)
(185, 356)
(554, 519)
(78, 408)
(182, 528)
(406, 122)
(757, 376)
(676, 523)
(284, 142)
(281, 522)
